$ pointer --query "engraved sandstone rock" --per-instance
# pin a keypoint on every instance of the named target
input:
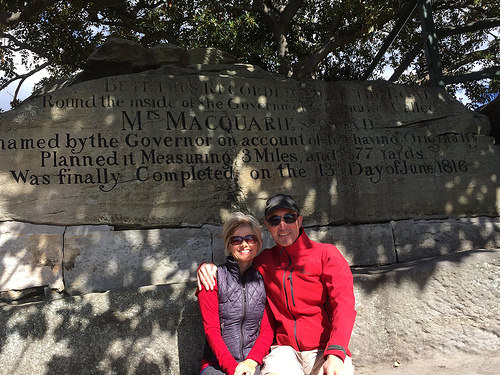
(185, 145)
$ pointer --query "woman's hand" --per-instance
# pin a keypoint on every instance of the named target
(247, 367)
(206, 276)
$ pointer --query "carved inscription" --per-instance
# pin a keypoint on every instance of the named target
(184, 131)
(157, 141)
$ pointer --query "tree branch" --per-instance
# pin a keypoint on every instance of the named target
(472, 57)
(33, 8)
(19, 46)
(289, 12)
(269, 14)
(332, 43)
(22, 78)
(312, 63)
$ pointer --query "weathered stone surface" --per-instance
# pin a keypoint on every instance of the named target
(27, 294)
(181, 146)
(120, 56)
(117, 56)
(154, 330)
(15, 227)
(210, 56)
(457, 364)
(218, 256)
(30, 256)
(81, 230)
(360, 244)
(168, 54)
(417, 239)
(442, 305)
(120, 51)
(445, 306)
(492, 110)
(101, 261)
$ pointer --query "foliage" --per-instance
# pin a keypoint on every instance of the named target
(324, 39)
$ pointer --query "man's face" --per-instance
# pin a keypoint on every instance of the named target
(284, 234)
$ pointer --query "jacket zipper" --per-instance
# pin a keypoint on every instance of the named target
(291, 295)
(291, 286)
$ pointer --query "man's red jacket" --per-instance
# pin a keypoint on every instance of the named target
(309, 288)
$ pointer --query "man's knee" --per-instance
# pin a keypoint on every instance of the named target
(281, 360)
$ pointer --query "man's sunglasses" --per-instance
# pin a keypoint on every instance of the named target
(238, 240)
(274, 221)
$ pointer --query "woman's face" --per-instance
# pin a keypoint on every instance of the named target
(247, 249)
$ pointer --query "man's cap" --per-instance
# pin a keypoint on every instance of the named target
(280, 201)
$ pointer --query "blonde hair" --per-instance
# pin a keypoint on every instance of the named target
(235, 221)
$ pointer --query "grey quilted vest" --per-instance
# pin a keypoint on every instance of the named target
(242, 300)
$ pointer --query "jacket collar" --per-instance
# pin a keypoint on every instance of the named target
(301, 243)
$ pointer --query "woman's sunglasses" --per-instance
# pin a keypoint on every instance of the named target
(238, 240)
(274, 221)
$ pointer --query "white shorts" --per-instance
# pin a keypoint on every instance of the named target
(285, 360)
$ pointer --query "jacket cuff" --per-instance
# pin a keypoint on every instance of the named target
(336, 350)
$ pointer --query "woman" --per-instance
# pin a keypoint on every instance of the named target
(236, 325)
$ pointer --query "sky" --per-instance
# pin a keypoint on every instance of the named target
(7, 94)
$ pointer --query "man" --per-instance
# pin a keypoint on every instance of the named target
(309, 289)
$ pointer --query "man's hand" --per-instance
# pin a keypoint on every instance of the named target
(206, 276)
(332, 366)
(247, 367)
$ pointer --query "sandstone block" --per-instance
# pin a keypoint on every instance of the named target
(446, 306)
(101, 261)
(115, 52)
(416, 239)
(153, 330)
(81, 230)
(443, 305)
(30, 256)
(168, 54)
(17, 227)
(360, 244)
(210, 56)
(182, 145)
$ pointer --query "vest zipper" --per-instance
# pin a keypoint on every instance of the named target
(243, 321)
